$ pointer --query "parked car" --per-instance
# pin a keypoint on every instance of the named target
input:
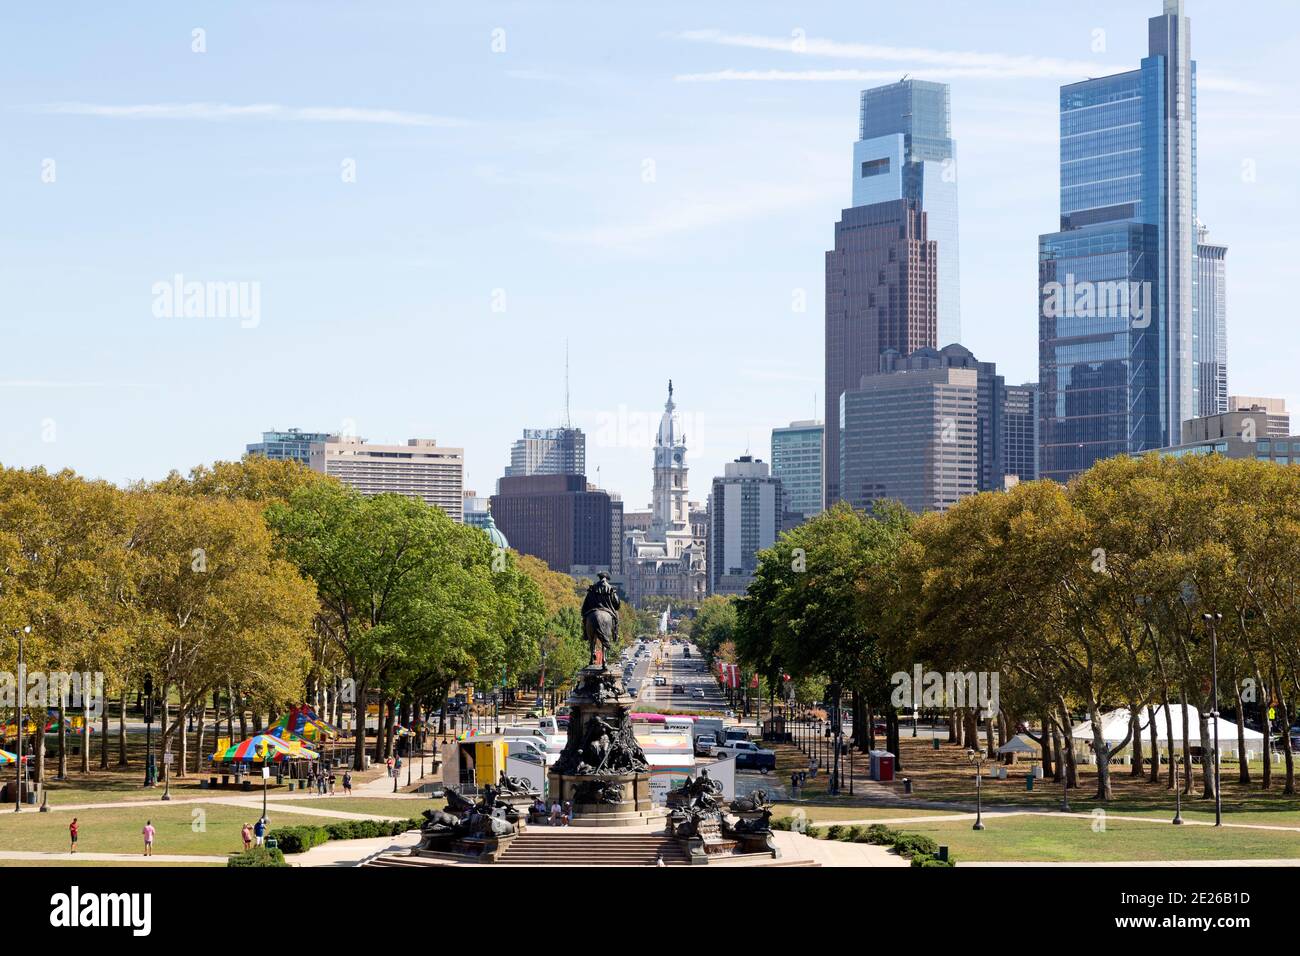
(704, 745)
(749, 755)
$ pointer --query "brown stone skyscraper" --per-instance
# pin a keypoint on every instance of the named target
(881, 293)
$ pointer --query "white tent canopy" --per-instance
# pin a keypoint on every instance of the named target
(1019, 745)
(1114, 728)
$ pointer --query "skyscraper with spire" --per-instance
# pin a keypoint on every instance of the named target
(1118, 281)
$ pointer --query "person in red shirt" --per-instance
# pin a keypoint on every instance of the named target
(72, 832)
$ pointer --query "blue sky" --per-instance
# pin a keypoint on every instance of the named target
(658, 183)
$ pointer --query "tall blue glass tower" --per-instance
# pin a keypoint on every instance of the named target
(1117, 283)
(905, 151)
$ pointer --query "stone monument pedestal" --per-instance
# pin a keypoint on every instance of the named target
(602, 770)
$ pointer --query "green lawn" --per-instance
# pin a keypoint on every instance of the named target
(193, 828)
(851, 811)
(378, 806)
(1032, 838)
(96, 863)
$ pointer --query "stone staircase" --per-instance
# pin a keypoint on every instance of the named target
(585, 848)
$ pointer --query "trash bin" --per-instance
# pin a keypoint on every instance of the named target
(907, 784)
(934, 743)
(1029, 781)
(272, 843)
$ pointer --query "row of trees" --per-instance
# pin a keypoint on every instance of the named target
(257, 584)
(1081, 599)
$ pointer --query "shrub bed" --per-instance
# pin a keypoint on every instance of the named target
(300, 839)
(257, 856)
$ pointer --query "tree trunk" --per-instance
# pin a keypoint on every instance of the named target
(359, 718)
(1155, 744)
(1045, 745)
(1071, 766)
(1243, 768)
(1209, 758)
(87, 724)
(1187, 748)
(62, 712)
(121, 730)
(1135, 728)
(1169, 741)
(105, 728)
(1266, 696)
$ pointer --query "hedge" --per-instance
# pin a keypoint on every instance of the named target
(257, 856)
(299, 839)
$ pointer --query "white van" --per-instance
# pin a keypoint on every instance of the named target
(679, 725)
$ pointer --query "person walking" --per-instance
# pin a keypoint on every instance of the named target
(259, 830)
(347, 783)
(389, 764)
(246, 834)
(74, 830)
(331, 783)
(148, 833)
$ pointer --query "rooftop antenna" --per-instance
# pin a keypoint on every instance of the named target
(568, 423)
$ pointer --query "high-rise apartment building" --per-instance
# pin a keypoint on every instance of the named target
(745, 511)
(881, 283)
(419, 469)
(905, 150)
(797, 462)
(1117, 297)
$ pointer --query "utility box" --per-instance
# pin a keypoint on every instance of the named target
(882, 765)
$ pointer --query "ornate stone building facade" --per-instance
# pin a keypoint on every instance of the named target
(665, 560)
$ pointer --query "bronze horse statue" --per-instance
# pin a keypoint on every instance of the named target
(600, 618)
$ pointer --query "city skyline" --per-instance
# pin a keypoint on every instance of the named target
(232, 171)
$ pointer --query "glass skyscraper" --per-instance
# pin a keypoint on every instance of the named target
(906, 151)
(797, 461)
(1211, 326)
(1117, 296)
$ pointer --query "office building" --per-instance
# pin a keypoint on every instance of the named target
(911, 435)
(905, 150)
(558, 518)
(1211, 326)
(1117, 282)
(881, 281)
(1238, 434)
(1019, 454)
(1277, 419)
(548, 451)
(419, 469)
(745, 512)
(797, 463)
(291, 445)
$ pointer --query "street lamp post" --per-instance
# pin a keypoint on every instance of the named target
(977, 758)
(148, 730)
(1211, 619)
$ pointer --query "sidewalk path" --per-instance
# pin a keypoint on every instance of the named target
(138, 858)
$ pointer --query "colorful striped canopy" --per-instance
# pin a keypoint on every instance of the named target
(7, 758)
(261, 748)
(400, 731)
(304, 722)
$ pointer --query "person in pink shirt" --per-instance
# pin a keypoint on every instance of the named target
(148, 832)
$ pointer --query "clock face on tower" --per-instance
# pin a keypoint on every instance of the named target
(677, 457)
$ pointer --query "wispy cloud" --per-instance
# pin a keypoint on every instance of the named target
(251, 111)
(936, 64)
